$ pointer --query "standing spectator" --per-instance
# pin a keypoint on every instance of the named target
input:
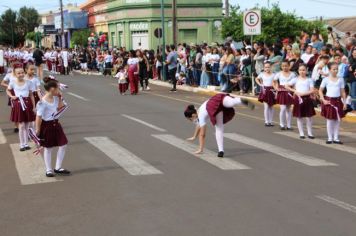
(352, 77)
(332, 36)
(172, 67)
(83, 59)
(307, 54)
(315, 42)
(2, 61)
(275, 58)
(108, 58)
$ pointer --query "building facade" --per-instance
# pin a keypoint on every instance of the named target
(131, 23)
(74, 19)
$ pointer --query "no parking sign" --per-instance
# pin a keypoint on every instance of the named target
(252, 22)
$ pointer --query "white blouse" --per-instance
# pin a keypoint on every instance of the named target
(333, 88)
(21, 91)
(302, 85)
(132, 61)
(35, 83)
(266, 80)
(46, 110)
(282, 79)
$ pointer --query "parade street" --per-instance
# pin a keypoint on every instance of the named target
(134, 174)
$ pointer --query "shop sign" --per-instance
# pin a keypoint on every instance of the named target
(139, 26)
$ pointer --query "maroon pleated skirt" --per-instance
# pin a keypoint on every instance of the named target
(52, 134)
(284, 97)
(18, 115)
(303, 107)
(267, 96)
(331, 111)
(215, 105)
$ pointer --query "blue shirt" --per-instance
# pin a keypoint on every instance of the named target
(172, 59)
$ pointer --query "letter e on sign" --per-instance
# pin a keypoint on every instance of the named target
(252, 22)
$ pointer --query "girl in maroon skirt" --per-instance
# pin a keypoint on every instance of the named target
(49, 130)
(284, 96)
(332, 107)
(36, 84)
(267, 96)
(303, 88)
(219, 109)
(19, 90)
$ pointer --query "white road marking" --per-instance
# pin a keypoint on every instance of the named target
(2, 137)
(127, 160)
(208, 156)
(30, 168)
(321, 142)
(338, 203)
(78, 96)
(349, 134)
(144, 123)
(286, 153)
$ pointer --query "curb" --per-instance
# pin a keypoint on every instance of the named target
(349, 117)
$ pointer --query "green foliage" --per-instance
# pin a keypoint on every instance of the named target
(80, 37)
(275, 25)
(19, 23)
(31, 36)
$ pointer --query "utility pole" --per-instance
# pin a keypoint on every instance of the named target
(163, 41)
(227, 8)
(174, 21)
(62, 24)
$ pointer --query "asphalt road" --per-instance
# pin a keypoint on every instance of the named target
(133, 175)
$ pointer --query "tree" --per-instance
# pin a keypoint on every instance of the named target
(275, 24)
(31, 36)
(8, 27)
(80, 37)
(17, 24)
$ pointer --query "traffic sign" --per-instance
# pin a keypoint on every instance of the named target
(158, 33)
(252, 22)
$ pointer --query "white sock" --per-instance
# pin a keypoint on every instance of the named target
(266, 113)
(47, 156)
(219, 131)
(270, 114)
(27, 126)
(300, 126)
(229, 102)
(282, 115)
(336, 130)
(60, 156)
(309, 126)
(330, 129)
(289, 117)
(21, 134)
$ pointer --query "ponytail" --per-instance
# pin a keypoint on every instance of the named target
(189, 111)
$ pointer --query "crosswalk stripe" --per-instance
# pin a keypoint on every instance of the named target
(338, 203)
(348, 134)
(321, 142)
(144, 123)
(208, 156)
(2, 137)
(30, 168)
(127, 160)
(289, 154)
(78, 96)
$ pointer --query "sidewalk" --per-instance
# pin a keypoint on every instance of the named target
(350, 117)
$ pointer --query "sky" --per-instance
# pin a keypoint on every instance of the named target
(305, 8)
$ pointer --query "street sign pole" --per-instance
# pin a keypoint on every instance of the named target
(163, 41)
(252, 77)
(252, 26)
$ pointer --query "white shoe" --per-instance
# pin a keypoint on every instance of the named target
(141, 89)
(148, 88)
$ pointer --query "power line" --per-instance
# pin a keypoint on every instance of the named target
(333, 3)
